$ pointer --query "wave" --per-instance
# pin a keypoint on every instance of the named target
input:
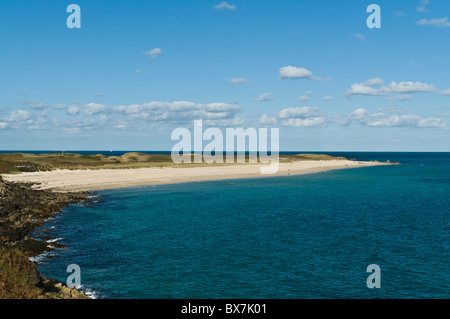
(91, 293)
(38, 259)
(54, 240)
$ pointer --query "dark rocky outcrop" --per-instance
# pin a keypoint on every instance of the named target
(22, 210)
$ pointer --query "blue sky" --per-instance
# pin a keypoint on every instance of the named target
(138, 69)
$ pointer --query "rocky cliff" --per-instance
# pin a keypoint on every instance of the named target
(22, 209)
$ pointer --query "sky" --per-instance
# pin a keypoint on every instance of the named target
(136, 70)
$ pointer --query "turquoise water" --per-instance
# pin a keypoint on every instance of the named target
(308, 236)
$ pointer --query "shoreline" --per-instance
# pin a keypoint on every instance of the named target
(22, 211)
(82, 180)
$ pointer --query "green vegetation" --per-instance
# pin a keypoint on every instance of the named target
(18, 277)
(309, 157)
(23, 162)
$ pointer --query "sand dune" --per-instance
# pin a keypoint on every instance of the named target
(88, 180)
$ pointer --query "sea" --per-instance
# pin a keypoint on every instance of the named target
(308, 236)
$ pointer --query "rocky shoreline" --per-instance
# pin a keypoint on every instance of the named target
(22, 210)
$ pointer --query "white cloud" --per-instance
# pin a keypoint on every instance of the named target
(44, 113)
(154, 53)
(380, 119)
(316, 78)
(19, 116)
(296, 117)
(445, 92)
(94, 108)
(238, 80)
(36, 127)
(224, 6)
(409, 87)
(264, 97)
(73, 110)
(374, 82)
(268, 120)
(98, 94)
(327, 98)
(391, 117)
(362, 89)
(293, 72)
(437, 22)
(213, 114)
(37, 106)
(359, 36)
(298, 112)
(421, 9)
(303, 98)
(370, 87)
(179, 112)
(422, 6)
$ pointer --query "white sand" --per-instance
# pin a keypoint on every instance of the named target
(88, 180)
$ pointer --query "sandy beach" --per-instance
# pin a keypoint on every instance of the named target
(89, 180)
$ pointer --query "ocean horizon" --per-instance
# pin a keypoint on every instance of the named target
(291, 237)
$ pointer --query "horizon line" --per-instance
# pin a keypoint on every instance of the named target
(169, 151)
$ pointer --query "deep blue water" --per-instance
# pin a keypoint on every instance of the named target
(308, 236)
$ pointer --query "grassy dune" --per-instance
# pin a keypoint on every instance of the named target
(23, 162)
